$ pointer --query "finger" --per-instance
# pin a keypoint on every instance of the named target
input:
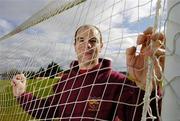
(158, 44)
(148, 31)
(13, 83)
(158, 36)
(23, 78)
(130, 53)
(141, 39)
(22, 75)
(162, 62)
(160, 52)
(150, 52)
(18, 77)
(159, 66)
(147, 53)
(144, 38)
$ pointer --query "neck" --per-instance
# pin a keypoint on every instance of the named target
(89, 64)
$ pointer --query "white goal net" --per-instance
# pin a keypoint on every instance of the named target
(42, 48)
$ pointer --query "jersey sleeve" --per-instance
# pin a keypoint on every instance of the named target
(38, 108)
(41, 108)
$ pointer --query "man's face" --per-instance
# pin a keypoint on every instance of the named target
(88, 44)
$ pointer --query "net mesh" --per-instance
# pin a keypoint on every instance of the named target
(44, 52)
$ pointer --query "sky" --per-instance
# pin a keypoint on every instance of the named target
(52, 40)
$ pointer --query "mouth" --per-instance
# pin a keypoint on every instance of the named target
(89, 52)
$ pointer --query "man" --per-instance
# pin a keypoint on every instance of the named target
(91, 90)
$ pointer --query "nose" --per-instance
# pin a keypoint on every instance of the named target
(89, 45)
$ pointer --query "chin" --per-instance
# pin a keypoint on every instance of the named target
(88, 59)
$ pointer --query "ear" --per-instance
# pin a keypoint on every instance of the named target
(101, 46)
(75, 46)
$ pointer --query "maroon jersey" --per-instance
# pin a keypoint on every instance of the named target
(95, 94)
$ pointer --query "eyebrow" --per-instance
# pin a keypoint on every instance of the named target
(92, 38)
(79, 39)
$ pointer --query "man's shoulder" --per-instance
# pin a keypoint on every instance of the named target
(67, 73)
(121, 77)
(117, 76)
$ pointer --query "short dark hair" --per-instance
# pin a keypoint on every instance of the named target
(88, 26)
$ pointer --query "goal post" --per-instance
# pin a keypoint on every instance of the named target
(171, 99)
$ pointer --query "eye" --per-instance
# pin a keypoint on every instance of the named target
(80, 39)
(93, 40)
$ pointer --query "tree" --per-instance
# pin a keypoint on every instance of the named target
(52, 69)
(41, 72)
(29, 74)
(10, 74)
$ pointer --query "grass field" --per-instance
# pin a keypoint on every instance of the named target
(10, 110)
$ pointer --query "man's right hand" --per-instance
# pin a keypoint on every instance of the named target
(19, 84)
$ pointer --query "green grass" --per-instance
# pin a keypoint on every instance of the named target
(10, 109)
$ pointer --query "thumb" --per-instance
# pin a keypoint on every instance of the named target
(130, 54)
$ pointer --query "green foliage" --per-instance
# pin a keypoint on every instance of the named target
(52, 69)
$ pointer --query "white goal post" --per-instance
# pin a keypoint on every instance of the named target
(171, 100)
